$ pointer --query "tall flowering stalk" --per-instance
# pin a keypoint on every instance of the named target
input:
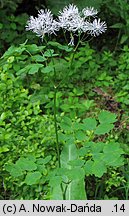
(70, 19)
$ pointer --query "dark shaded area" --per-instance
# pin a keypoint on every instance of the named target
(30, 7)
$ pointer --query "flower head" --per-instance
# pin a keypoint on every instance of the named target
(43, 24)
(70, 19)
(95, 28)
(89, 11)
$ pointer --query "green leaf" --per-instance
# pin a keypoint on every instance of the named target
(32, 178)
(34, 68)
(13, 50)
(56, 193)
(97, 147)
(113, 160)
(38, 58)
(23, 70)
(124, 38)
(83, 151)
(80, 135)
(69, 153)
(60, 46)
(66, 124)
(76, 190)
(107, 117)
(26, 164)
(88, 167)
(14, 170)
(49, 53)
(76, 162)
(44, 160)
(99, 168)
(47, 69)
(4, 149)
(33, 48)
(103, 129)
(55, 181)
(113, 148)
(89, 124)
(75, 173)
(112, 154)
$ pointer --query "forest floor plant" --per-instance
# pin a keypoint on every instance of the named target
(81, 24)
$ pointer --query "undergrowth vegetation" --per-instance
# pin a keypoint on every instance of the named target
(92, 116)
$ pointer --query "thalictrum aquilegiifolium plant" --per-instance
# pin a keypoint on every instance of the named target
(82, 24)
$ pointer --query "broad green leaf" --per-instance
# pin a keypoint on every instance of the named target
(75, 173)
(76, 162)
(99, 168)
(106, 117)
(97, 147)
(76, 190)
(44, 160)
(14, 170)
(89, 124)
(13, 50)
(26, 164)
(32, 178)
(42, 169)
(47, 69)
(55, 181)
(113, 148)
(4, 149)
(80, 135)
(113, 160)
(124, 38)
(23, 70)
(34, 68)
(11, 59)
(60, 46)
(112, 154)
(88, 167)
(77, 125)
(96, 166)
(103, 128)
(56, 193)
(69, 153)
(83, 151)
(66, 124)
(33, 48)
(38, 58)
(55, 178)
(49, 53)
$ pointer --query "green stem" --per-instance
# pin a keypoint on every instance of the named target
(55, 111)
(56, 129)
(71, 61)
(74, 51)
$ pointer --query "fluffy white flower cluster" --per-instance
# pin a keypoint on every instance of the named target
(43, 24)
(70, 19)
